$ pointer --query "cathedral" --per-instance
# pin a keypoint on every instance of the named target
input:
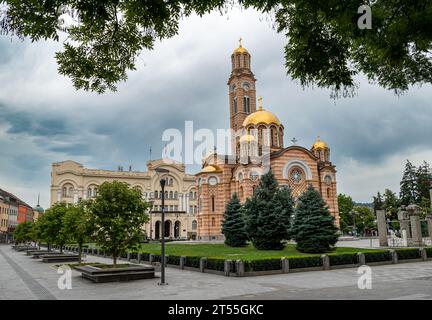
(257, 145)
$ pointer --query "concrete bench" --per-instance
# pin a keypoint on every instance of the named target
(60, 258)
(100, 275)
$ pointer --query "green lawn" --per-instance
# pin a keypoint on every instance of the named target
(223, 251)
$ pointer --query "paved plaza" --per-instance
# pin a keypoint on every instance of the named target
(22, 277)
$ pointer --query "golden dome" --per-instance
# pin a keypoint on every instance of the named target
(240, 49)
(211, 168)
(319, 144)
(247, 138)
(261, 116)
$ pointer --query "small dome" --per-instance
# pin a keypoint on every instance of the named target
(240, 49)
(39, 209)
(319, 144)
(247, 138)
(211, 168)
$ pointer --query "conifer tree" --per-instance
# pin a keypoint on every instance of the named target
(408, 186)
(233, 225)
(313, 227)
(268, 213)
(424, 180)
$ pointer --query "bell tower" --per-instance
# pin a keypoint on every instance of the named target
(241, 83)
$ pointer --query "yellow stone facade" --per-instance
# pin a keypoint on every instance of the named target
(258, 144)
(70, 182)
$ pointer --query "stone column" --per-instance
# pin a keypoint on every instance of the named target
(382, 228)
(285, 265)
(429, 223)
(417, 239)
(405, 225)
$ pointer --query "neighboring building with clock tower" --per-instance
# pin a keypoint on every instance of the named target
(258, 143)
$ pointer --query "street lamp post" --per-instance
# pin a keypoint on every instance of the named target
(161, 172)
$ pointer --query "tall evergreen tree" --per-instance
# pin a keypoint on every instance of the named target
(391, 204)
(313, 228)
(268, 213)
(408, 186)
(233, 225)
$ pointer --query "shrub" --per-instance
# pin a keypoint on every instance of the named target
(305, 262)
(377, 256)
(263, 265)
(429, 252)
(133, 255)
(173, 260)
(341, 259)
(193, 262)
(215, 264)
(406, 254)
(145, 256)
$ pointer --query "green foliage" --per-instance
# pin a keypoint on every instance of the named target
(50, 225)
(193, 262)
(341, 259)
(173, 260)
(119, 214)
(325, 46)
(409, 253)
(23, 232)
(305, 262)
(429, 252)
(268, 213)
(391, 204)
(215, 264)
(313, 228)
(263, 265)
(408, 186)
(233, 225)
(77, 223)
(345, 204)
(364, 219)
(378, 202)
(377, 256)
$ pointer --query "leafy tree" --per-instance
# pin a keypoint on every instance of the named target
(378, 203)
(325, 45)
(391, 204)
(364, 219)
(346, 204)
(51, 225)
(424, 184)
(408, 186)
(313, 228)
(118, 215)
(268, 213)
(23, 232)
(77, 224)
(233, 225)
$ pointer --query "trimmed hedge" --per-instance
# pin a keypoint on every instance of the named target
(429, 252)
(193, 262)
(145, 256)
(341, 259)
(305, 262)
(406, 254)
(133, 255)
(378, 256)
(215, 264)
(173, 260)
(262, 265)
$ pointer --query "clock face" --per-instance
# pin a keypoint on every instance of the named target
(246, 86)
(212, 181)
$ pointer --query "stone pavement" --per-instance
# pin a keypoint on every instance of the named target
(22, 277)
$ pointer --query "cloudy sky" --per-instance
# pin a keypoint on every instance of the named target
(43, 119)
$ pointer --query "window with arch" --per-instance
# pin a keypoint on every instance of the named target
(328, 193)
(166, 194)
(235, 105)
(191, 195)
(246, 104)
(296, 175)
(175, 195)
(89, 192)
(171, 195)
(213, 222)
(194, 225)
(156, 194)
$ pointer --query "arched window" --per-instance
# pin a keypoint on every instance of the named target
(64, 192)
(328, 193)
(89, 192)
(246, 104)
(191, 195)
(213, 222)
(166, 194)
(171, 195)
(235, 105)
(195, 195)
(95, 192)
(194, 225)
(175, 195)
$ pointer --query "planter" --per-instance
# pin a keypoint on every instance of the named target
(60, 258)
(100, 274)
